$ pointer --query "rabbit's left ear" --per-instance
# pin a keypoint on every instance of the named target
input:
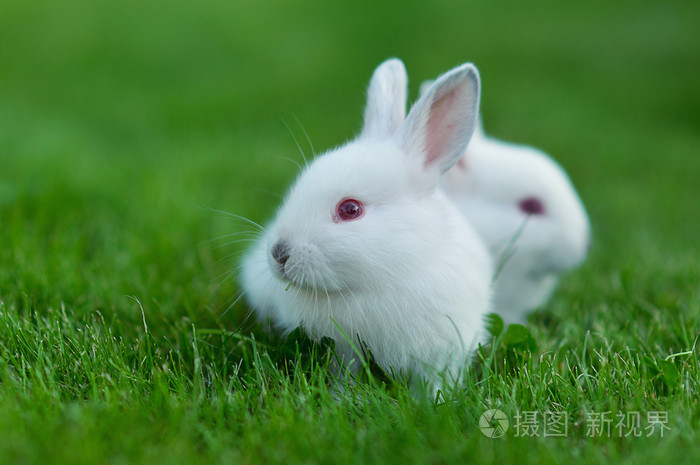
(386, 99)
(440, 125)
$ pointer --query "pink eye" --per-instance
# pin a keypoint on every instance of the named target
(348, 210)
(532, 206)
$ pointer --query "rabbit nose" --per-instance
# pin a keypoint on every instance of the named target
(280, 252)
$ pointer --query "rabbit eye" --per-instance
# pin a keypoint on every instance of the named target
(348, 210)
(532, 206)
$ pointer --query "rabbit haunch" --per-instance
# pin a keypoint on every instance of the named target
(408, 278)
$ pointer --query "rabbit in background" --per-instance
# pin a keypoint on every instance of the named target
(523, 205)
(366, 248)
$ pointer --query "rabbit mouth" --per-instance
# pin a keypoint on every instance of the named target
(303, 276)
(302, 266)
(292, 275)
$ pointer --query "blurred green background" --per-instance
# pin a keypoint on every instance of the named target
(123, 124)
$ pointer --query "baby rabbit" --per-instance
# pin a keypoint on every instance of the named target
(523, 205)
(366, 249)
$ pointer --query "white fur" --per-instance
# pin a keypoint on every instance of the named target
(410, 279)
(386, 99)
(487, 187)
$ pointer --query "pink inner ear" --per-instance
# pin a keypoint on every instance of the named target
(440, 126)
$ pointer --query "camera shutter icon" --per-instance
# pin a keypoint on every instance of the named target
(493, 423)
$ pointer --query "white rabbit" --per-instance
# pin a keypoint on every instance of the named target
(523, 205)
(366, 249)
(526, 209)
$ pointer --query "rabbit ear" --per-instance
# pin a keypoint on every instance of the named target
(478, 129)
(440, 125)
(425, 86)
(386, 99)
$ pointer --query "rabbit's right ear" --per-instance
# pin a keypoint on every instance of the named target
(386, 99)
(441, 123)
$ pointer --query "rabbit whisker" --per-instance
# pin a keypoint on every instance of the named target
(296, 141)
(306, 134)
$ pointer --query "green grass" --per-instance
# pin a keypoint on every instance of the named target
(125, 126)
